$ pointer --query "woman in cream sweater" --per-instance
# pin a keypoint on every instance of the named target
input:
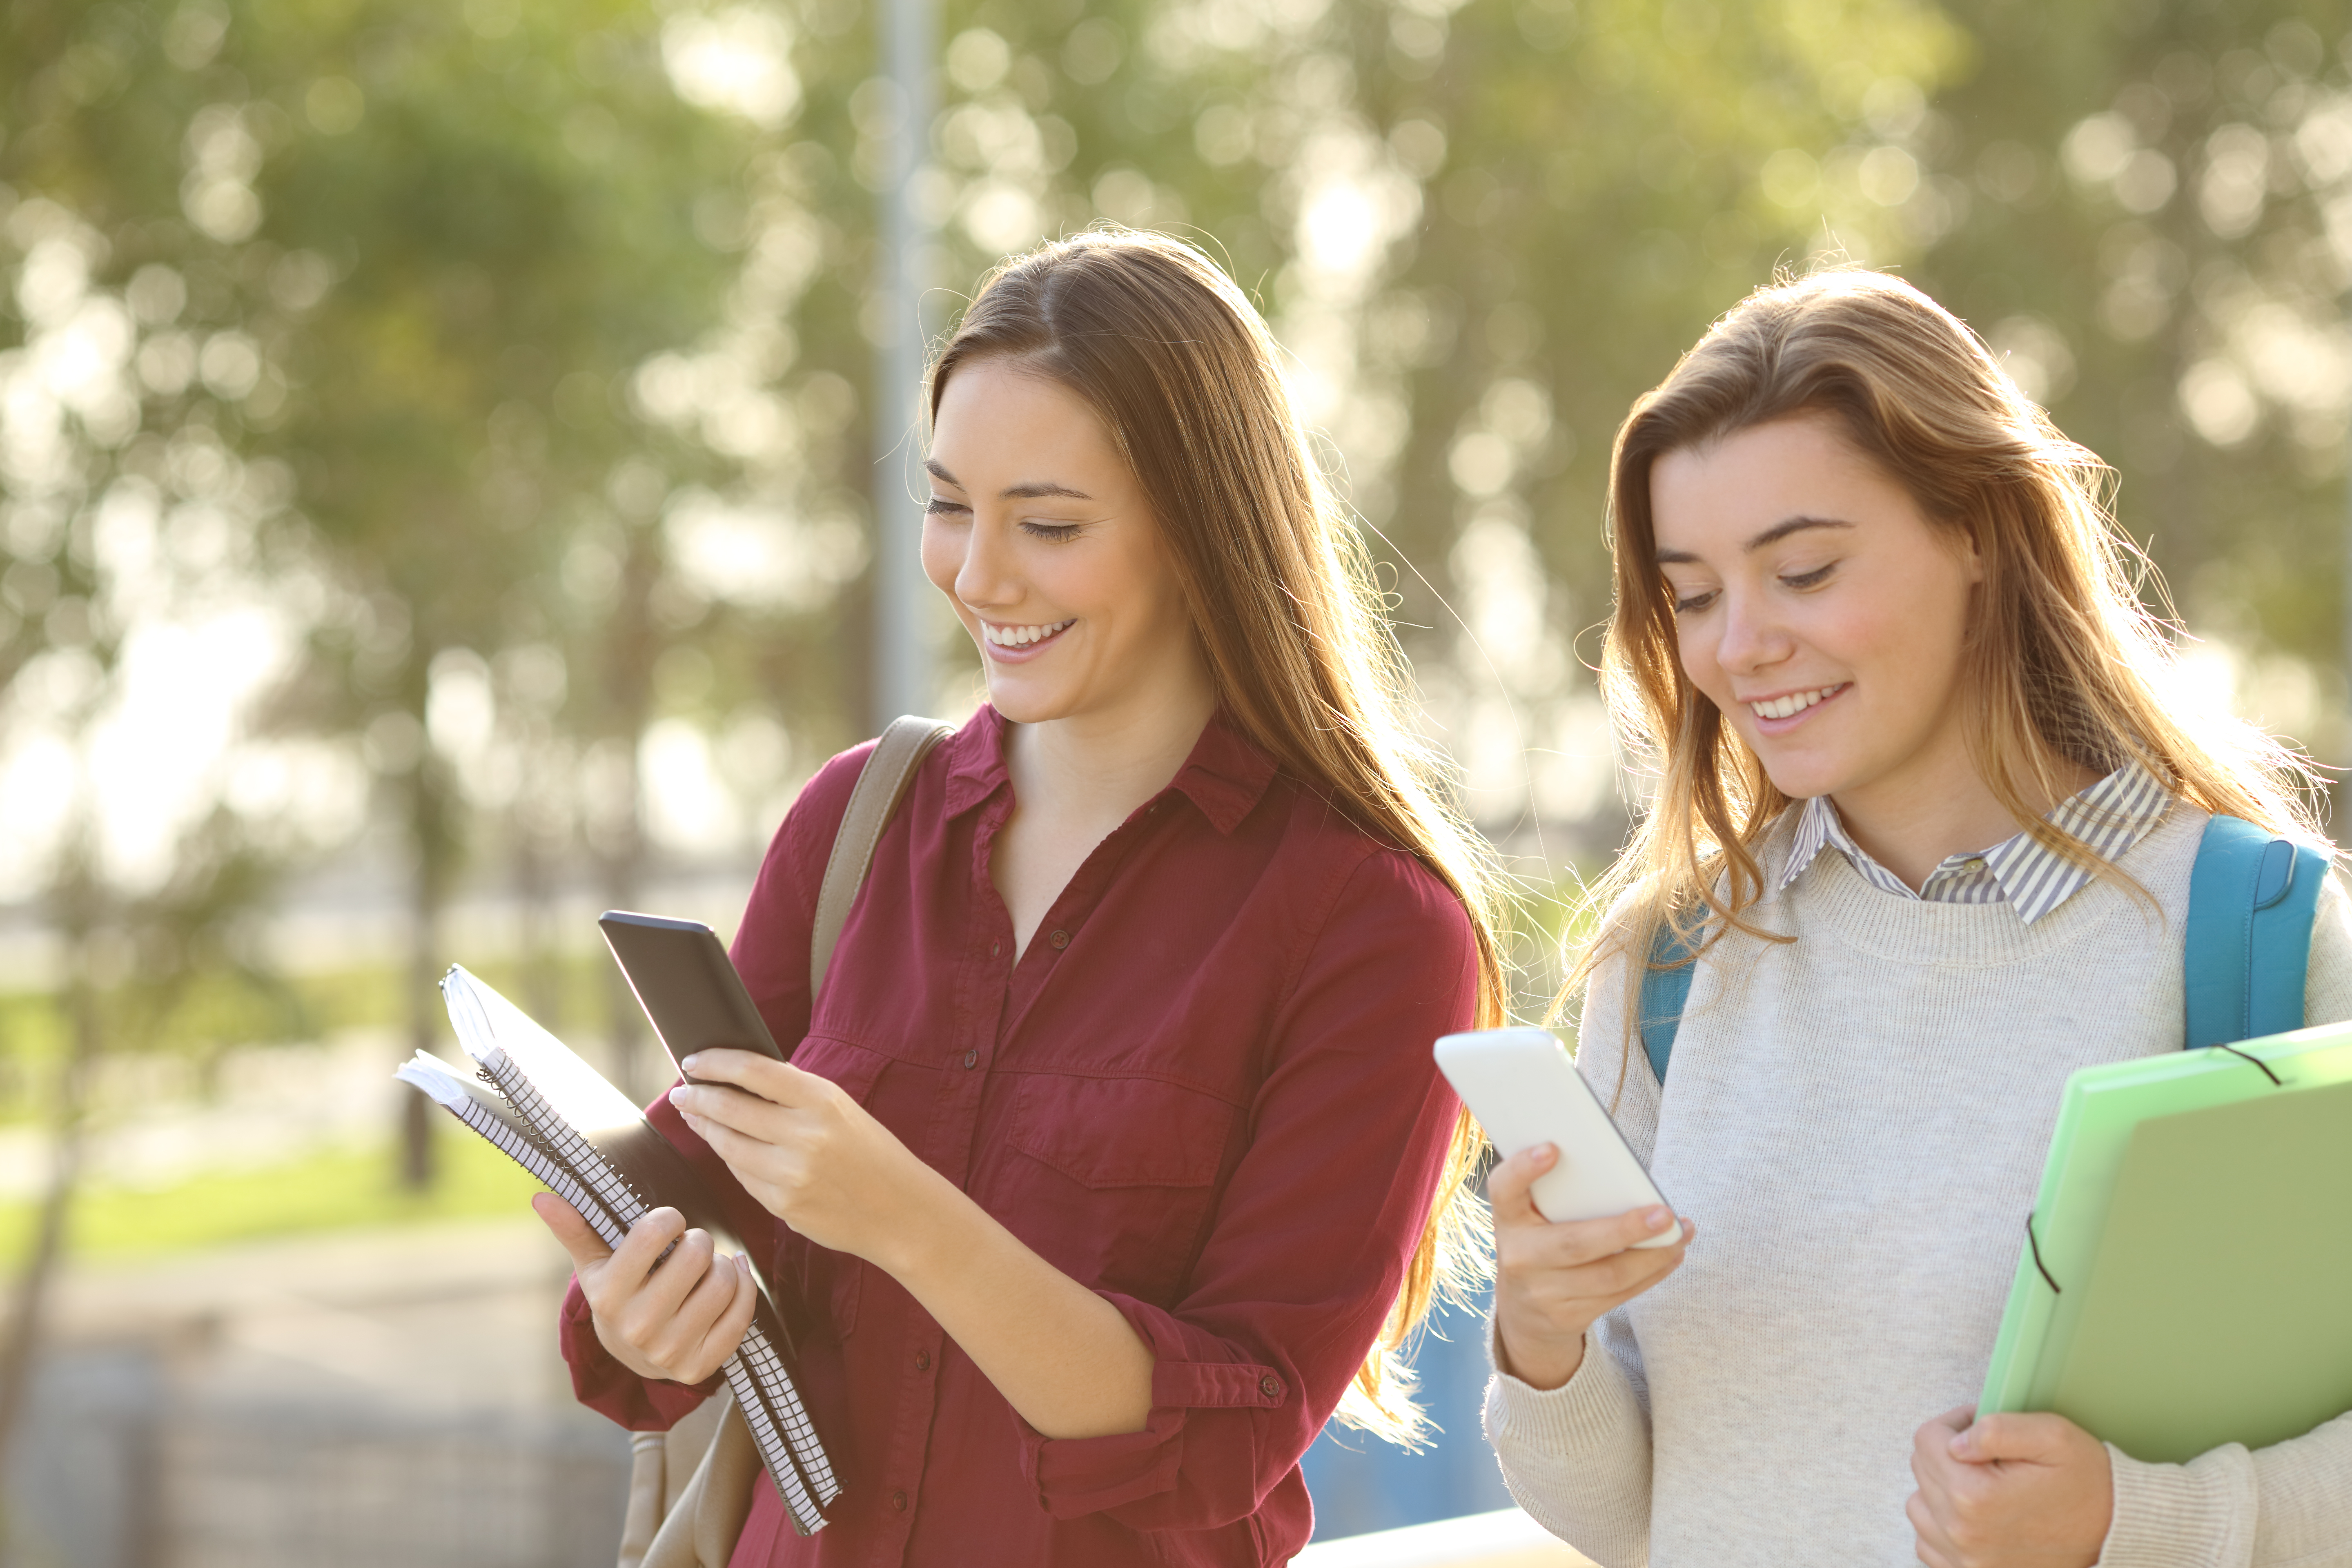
(1931, 789)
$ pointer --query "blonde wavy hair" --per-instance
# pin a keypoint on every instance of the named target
(2064, 666)
(1184, 375)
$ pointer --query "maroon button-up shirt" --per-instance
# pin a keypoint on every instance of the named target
(1205, 1092)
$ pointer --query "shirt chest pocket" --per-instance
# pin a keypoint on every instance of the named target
(1113, 1179)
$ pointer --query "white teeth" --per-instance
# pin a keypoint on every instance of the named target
(1795, 702)
(1021, 637)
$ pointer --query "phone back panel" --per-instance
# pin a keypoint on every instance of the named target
(686, 984)
(1524, 1090)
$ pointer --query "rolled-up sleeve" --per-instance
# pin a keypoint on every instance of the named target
(1314, 1232)
(612, 1390)
(2287, 1506)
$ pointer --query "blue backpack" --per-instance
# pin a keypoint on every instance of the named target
(2252, 898)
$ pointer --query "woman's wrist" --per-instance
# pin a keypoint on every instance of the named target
(920, 1235)
(1545, 1365)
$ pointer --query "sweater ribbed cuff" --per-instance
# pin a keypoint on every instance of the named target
(1592, 1411)
(2197, 1515)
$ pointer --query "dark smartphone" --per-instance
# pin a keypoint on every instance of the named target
(686, 986)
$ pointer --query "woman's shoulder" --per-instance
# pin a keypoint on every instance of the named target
(1325, 846)
(1352, 898)
(804, 841)
(815, 816)
(1627, 922)
(1403, 885)
(828, 790)
(818, 810)
(795, 864)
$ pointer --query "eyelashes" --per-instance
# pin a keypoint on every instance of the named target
(1046, 532)
(1800, 582)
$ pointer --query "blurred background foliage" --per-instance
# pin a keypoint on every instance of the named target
(436, 439)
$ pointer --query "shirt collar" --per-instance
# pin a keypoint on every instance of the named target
(1225, 775)
(975, 760)
(2110, 816)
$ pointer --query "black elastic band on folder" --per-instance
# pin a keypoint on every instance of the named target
(2036, 1248)
(2256, 1060)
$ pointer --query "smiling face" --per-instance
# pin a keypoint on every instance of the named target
(1042, 538)
(1821, 612)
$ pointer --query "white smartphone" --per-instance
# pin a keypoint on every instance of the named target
(1524, 1090)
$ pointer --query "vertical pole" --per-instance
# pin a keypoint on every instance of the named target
(902, 655)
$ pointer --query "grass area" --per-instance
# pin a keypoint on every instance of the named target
(331, 1190)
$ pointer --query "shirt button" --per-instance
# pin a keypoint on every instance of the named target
(898, 1502)
(922, 1361)
(971, 1059)
(1972, 865)
(995, 949)
(1060, 939)
(1270, 1385)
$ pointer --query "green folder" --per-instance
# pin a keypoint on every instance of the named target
(2185, 1280)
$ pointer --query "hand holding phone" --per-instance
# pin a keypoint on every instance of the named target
(1524, 1090)
(1579, 1229)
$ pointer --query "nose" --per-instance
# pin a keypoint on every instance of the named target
(986, 577)
(1752, 639)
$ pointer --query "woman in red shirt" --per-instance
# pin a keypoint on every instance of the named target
(1088, 1259)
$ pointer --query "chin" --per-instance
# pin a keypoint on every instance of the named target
(1800, 778)
(1023, 702)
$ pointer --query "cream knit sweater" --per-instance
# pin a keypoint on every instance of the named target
(1857, 1123)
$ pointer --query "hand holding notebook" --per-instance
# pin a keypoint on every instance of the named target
(676, 1305)
(554, 1116)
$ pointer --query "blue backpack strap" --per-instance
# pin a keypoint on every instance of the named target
(2252, 900)
(1664, 993)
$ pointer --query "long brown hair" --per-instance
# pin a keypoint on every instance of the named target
(2064, 666)
(1184, 375)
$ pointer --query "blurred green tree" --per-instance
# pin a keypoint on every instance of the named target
(83, 560)
(497, 205)
(414, 250)
(2155, 233)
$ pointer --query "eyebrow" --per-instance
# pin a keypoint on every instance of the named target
(1773, 535)
(1030, 491)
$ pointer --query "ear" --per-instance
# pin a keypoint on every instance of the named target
(1971, 555)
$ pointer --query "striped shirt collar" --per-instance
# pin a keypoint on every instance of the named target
(2110, 816)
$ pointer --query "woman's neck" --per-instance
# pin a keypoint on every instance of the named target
(1098, 768)
(1914, 822)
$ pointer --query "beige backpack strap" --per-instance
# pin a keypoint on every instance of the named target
(707, 1520)
(881, 784)
(647, 1482)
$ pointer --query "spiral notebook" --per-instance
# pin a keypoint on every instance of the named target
(557, 1118)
